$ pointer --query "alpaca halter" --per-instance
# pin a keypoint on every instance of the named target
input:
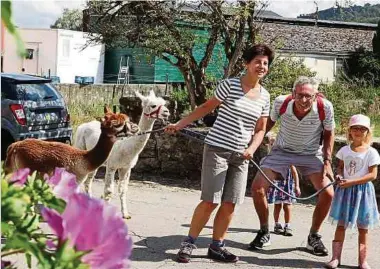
(154, 114)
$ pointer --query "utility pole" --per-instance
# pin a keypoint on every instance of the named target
(316, 13)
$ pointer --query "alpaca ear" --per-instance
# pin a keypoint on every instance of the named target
(139, 95)
(152, 94)
(107, 109)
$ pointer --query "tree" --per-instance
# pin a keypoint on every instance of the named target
(71, 19)
(172, 29)
(376, 41)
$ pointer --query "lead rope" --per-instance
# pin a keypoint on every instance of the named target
(188, 133)
(195, 136)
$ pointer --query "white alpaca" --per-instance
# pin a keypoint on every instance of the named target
(125, 152)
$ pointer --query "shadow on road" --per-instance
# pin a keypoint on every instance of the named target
(158, 249)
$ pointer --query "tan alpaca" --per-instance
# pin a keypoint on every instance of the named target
(44, 156)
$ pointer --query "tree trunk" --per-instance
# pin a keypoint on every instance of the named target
(200, 86)
(189, 86)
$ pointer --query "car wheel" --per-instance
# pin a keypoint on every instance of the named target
(6, 140)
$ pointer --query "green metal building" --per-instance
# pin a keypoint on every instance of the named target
(149, 69)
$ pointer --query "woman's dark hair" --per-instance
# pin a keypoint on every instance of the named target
(258, 50)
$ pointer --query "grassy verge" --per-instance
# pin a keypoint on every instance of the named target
(84, 113)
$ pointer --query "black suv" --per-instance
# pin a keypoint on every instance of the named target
(31, 107)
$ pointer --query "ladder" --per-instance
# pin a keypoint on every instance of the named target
(123, 76)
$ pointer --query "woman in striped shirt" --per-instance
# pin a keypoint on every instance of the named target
(236, 134)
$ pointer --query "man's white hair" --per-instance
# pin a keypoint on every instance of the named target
(302, 80)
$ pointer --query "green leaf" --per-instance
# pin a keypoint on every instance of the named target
(28, 258)
(22, 241)
(6, 17)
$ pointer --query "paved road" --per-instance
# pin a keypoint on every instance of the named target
(161, 216)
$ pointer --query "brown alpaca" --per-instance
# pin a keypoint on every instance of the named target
(44, 156)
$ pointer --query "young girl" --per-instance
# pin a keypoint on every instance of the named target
(281, 201)
(354, 203)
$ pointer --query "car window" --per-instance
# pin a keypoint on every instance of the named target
(7, 90)
(36, 92)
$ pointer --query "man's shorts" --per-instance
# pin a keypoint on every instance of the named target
(224, 175)
(279, 161)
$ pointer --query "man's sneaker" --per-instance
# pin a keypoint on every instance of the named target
(278, 228)
(261, 240)
(288, 231)
(184, 253)
(221, 254)
(315, 245)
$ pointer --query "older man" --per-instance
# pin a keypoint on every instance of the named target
(305, 140)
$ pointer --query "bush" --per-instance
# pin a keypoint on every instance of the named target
(351, 98)
(363, 66)
(283, 73)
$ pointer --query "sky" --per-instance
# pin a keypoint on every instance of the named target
(41, 14)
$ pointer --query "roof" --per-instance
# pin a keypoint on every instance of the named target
(305, 35)
(319, 23)
(22, 78)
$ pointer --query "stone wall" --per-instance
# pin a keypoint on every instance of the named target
(107, 93)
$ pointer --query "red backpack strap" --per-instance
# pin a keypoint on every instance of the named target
(321, 107)
(284, 105)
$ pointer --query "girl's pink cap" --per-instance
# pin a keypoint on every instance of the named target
(360, 120)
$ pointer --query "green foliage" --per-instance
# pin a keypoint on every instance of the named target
(81, 113)
(6, 17)
(352, 97)
(376, 42)
(20, 224)
(71, 19)
(282, 74)
(367, 13)
(363, 66)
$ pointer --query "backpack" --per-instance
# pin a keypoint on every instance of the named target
(320, 106)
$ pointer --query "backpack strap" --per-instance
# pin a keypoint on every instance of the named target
(320, 106)
(284, 105)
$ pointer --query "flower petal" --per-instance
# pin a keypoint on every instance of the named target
(54, 220)
(20, 176)
(64, 184)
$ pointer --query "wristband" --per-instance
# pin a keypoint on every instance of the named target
(327, 159)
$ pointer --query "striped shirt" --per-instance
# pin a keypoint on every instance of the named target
(237, 117)
(301, 136)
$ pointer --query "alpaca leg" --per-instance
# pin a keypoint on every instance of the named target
(88, 182)
(109, 183)
(124, 175)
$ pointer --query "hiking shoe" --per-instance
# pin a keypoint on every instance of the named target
(184, 253)
(221, 254)
(278, 228)
(288, 231)
(261, 240)
(315, 245)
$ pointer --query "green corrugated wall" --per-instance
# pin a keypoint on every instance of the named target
(164, 70)
(141, 65)
(145, 69)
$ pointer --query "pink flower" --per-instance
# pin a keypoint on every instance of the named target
(20, 176)
(64, 184)
(92, 224)
(4, 264)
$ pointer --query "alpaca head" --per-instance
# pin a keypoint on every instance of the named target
(115, 123)
(154, 107)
